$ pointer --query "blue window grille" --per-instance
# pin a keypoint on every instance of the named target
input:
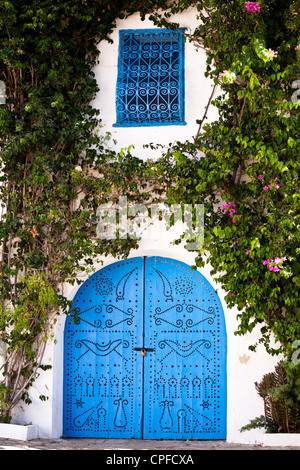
(150, 84)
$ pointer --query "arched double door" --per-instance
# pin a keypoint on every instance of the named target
(145, 356)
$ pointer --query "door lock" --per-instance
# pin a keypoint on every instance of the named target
(143, 350)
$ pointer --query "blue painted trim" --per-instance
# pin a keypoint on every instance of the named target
(150, 121)
(151, 124)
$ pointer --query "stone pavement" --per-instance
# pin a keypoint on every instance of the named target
(120, 445)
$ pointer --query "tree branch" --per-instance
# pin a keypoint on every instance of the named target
(205, 114)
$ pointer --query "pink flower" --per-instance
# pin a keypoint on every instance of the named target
(33, 231)
(265, 188)
(260, 177)
(247, 251)
(232, 211)
(228, 76)
(273, 264)
(270, 54)
(253, 6)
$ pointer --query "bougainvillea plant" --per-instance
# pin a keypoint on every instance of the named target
(50, 148)
(245, 167)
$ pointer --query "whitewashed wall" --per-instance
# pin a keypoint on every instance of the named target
(198, 89)
(243, 367)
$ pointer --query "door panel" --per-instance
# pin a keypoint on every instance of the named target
(177, 389)
(102, 372)
(185, 376)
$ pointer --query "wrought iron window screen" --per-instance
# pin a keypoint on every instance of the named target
(150, 84)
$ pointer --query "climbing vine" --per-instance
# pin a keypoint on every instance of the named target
(57, 165)
(56, 169)
(245, 167)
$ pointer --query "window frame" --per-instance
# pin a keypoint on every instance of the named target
(181, 83)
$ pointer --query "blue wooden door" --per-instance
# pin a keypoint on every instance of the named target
(146, 355)
(103, 375)
(185, 376)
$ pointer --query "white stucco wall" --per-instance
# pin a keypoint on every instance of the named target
(243, 367)
(198, 89)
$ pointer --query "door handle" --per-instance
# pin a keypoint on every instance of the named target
(143, 350)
